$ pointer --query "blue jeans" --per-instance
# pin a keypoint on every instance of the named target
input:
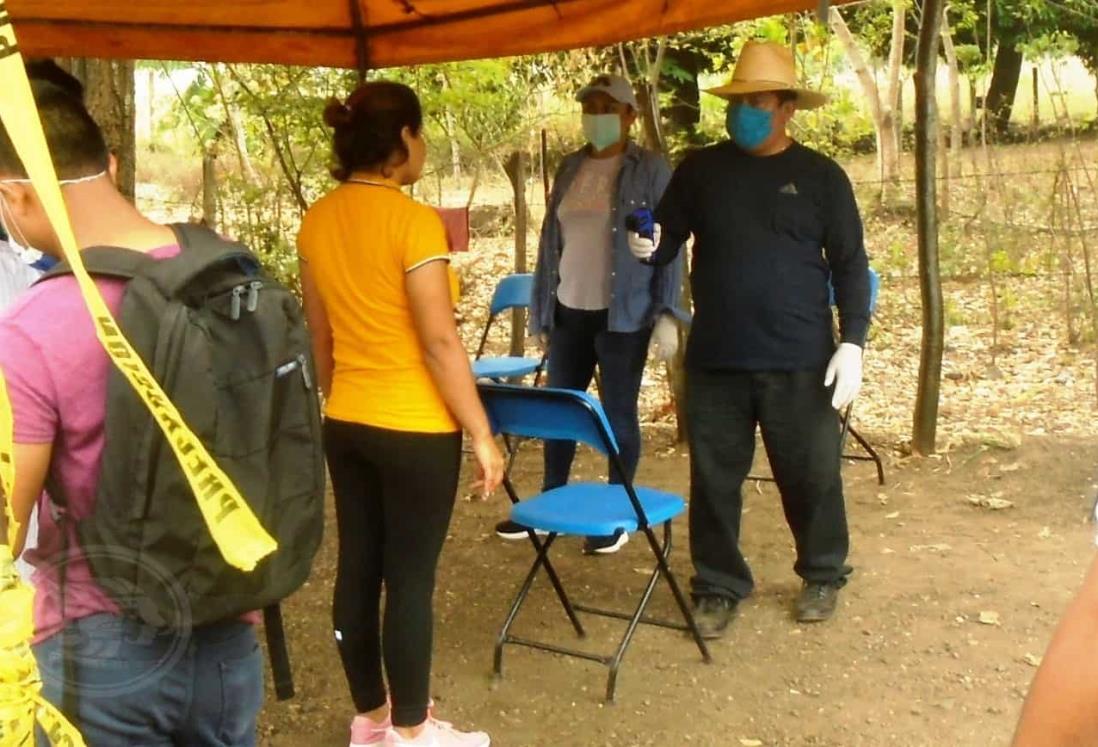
(578, 342)
(138, 685)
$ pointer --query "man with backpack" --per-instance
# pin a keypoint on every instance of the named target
(143, 633)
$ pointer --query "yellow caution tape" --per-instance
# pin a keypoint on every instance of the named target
(21, 701)
(237, 532)
(7, 461)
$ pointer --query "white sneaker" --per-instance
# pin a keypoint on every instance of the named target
(439, 734)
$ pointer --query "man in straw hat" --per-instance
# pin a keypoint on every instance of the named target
(773, 221)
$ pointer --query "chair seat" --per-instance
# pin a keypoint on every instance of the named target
(504, 367)
(594, 509)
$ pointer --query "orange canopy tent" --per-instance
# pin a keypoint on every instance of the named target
(357, 33)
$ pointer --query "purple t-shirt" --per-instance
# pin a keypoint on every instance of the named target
(56, 372)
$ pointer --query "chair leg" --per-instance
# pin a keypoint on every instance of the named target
(872, 454)
(554, 579)
(634, 621)
(541, 560)
(524, 590)
(680, 599)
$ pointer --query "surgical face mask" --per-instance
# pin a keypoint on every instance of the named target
(602, 130)
(31, 256)
(749, 126)
(26, 253)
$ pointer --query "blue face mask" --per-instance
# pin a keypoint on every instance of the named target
(749, 126)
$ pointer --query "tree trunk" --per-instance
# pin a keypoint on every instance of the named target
(235, 123)
(148, 116)
(999, 102)
(450, 123)
(209, 189)
(957, 135)
(517, 167)
(881, 105)
(109, 94)
(943, 165)
(455, 147)
(1035, 119)
(895, 81)
(925, 428)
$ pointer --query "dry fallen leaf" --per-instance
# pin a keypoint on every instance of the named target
(989, 618)
(993, 503)
(939, 547)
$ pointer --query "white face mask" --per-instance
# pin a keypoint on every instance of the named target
(31, 256)
(18, 245)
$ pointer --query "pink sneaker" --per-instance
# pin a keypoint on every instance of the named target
(366, 732)
(439, 734)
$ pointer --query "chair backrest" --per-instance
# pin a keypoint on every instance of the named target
(513, 292)
(874, 290)
(548, 414)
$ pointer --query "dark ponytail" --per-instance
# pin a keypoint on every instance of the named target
(368, 127)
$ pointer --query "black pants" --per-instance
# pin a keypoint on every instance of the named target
(394, 495)
(800, 430)
(580, 340)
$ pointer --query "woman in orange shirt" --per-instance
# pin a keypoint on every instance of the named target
(375, 274)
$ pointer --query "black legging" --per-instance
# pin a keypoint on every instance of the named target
(394, 495)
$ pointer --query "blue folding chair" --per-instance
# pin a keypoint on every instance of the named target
(583, 509)
(513, 292)
(871, 454)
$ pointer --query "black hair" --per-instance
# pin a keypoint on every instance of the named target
(75, 142)
(784, 97)
(368, 126)
(46, 69)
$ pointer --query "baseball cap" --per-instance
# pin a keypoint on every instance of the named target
(614, 86)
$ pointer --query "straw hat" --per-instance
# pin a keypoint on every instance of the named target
(768, 66)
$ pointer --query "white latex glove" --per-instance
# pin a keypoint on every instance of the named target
(643, 248)
(845, 372)
(665, 337)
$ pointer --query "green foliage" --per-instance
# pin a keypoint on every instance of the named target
(263, 123)
(486, 104)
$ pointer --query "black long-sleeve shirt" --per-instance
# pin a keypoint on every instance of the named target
(769, 232)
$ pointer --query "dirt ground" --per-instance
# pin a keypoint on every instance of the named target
(937, 637)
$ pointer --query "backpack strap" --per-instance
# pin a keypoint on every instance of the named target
(277, 652)
(105, 261)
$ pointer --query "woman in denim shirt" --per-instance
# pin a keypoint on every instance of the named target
(593, 303)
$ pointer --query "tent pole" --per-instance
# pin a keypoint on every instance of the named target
(358, 23)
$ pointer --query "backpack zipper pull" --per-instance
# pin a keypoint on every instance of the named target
(253, 295)
(306, 377)
(238, 294)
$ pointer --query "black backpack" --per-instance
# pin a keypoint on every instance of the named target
(229, 346)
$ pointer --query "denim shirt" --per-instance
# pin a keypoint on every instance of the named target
(638, 292)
